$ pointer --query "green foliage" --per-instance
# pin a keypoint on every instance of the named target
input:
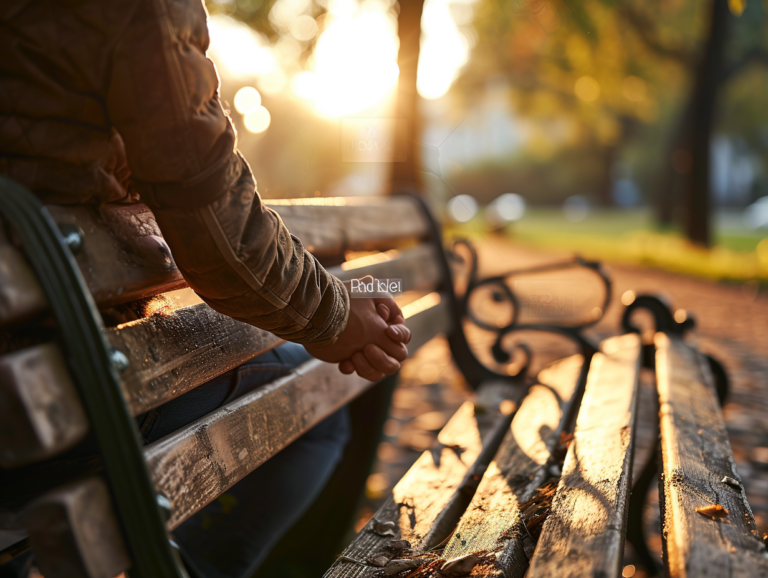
(592, 75)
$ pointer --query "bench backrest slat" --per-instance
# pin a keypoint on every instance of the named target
(699, 472)
(169, 355)
(123, 257)
(196, 464)
(330, 226)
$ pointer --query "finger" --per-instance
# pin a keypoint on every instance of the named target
(395, 313)
(380, 360)
(347, 367)
(364, 369)
(383, 311)
(399, 333)
(394, 349)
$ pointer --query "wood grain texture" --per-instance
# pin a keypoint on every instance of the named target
(492, 521)
(422, 494)
(40, 411)
(196, 464)
(74, 532)
(124, 257)
(20, 293)
(584, 534)
(696, 457)
(331, 226)
(418, 267)
(171, 354)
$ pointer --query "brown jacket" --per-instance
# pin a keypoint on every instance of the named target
(87, 84)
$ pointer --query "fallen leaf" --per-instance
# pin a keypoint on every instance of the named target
(715, 511)
(381, 560)
(459, 566)
(400, 544)
(383, 528)
(396, 566)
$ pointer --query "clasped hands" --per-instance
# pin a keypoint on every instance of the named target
(373, 343)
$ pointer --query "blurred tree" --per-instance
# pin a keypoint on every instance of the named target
(598, 74)
(406, 174)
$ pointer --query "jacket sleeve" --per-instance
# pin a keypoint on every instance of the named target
(233, 251)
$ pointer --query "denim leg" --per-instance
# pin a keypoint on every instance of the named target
(230, 537)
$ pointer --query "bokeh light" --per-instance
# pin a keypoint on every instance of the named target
(587, 89)
(257, 120)
(247, 99)
(462, 208)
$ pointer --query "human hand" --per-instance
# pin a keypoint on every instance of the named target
(372, 343)
(390, 312)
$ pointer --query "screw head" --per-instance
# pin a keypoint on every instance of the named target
(119, 360)
(165, 506)
(73, 236)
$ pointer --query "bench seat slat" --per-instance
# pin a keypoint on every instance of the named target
(426, 489)
(519, 467)
(196, 464)
(696, 457)
(584, 534)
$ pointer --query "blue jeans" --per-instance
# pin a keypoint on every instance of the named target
(231, 536)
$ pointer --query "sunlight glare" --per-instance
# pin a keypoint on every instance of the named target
(354, 65)
(238, 49)
(444, 48)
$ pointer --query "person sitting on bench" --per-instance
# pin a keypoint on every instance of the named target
(115, 101)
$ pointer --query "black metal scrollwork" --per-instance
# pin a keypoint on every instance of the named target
(501, 292)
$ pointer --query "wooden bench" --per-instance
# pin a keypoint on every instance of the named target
(534, 474)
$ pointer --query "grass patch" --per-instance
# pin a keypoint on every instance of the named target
(631, 237)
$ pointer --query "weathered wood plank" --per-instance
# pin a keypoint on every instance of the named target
(74, 532)
(418, 267)
(492, 522)
(426, 489)
(169, 355)
(699, 472)
(40, 412)
(123, 256)
(194, 465)
(330, 226)
(584, 534)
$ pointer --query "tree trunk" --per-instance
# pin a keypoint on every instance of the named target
(704, 100)
(406, 166)
(605, 186)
